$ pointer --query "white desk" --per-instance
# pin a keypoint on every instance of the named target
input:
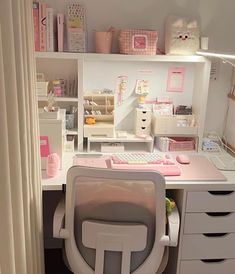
(56, 182)
(204, 237)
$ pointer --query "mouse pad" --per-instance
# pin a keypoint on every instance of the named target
(199, 169)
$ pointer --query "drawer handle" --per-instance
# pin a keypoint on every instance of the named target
(210, 261)
(220, 192)
(143, 112)
(210, 235)
(218, 214)
(143, 120)
(143, 127)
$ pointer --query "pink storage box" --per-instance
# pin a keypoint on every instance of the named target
(138, 41)
(182, 143)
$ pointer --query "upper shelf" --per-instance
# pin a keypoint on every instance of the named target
(120, 57)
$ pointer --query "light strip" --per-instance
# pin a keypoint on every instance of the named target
(216, 54)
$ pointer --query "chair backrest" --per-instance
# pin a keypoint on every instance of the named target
(105, 210)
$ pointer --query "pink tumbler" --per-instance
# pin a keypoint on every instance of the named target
(53, 164)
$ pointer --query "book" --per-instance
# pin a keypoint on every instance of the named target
(76, 28)
(36, 25)
(60, 31)
(50, 36)
(42, 26)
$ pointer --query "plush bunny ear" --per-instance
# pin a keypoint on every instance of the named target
(179, 23)
(192, 24)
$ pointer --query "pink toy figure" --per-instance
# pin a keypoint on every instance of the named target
(53, 164)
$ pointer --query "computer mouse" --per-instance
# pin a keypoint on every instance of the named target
(182, 159)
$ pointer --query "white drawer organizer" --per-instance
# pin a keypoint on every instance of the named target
(208, 237)
(142, 121)
(101, 107)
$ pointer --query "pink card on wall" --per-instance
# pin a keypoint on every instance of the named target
(44, 146)
(175, 79)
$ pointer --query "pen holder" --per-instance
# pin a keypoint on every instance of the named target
(103, 41)
(70, 124)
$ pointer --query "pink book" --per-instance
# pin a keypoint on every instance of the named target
(36, 25)
(44, 146)
(42, 26)
(60, 31)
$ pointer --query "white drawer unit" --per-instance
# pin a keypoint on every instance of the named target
(211, 201)
(209, 222)
(208, 233)
(208, 246)
(143, 122)
(220, 266)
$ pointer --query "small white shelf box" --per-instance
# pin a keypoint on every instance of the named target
(130, 142)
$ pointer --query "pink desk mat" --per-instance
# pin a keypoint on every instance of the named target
(199, 169)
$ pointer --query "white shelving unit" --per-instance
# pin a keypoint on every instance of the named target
(101, 71)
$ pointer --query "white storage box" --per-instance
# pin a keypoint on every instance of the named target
(52, 129)
(174, 125)
(48, 114)
(41, 88)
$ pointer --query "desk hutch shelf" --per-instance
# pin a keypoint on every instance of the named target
(99, 71)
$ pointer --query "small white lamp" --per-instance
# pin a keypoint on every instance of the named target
(221, 55)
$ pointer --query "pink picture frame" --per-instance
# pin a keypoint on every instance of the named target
(175, 79)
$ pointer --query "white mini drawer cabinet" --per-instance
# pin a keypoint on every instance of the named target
(142, 121)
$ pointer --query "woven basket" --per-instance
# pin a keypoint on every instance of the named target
(138, 41)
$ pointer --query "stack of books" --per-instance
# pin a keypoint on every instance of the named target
(49, 30)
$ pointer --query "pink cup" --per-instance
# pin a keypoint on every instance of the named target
(103, 41)
(53, 164)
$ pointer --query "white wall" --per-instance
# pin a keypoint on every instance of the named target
(217, 22)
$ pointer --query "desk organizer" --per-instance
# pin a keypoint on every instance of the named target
(138, 41)
(174, 125)
(176, 143)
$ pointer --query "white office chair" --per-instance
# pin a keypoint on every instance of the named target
(115, 221)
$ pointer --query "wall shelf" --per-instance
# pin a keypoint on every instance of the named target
(120, 57)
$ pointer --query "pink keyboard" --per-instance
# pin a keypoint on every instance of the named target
(146, 161)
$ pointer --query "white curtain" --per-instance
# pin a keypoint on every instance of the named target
(21, 245)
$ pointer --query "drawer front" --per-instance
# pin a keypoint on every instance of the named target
(143, 114)
(90, 131)
(208, 267)
(211, 201)
(219, 222)
(209, 246)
